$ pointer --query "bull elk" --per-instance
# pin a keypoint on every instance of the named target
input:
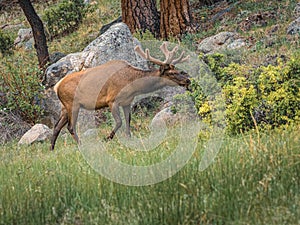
(114, 84)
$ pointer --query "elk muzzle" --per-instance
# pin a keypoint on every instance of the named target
(186, 78)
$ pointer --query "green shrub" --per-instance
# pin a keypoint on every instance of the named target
(217, 63)
(22, 87)
(64, 17)
(6, 42)
(241, 100)
(267, 96)
(200, 101)
(279, 93)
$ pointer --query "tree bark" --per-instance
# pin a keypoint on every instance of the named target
(38, 32)
(141, 15)
(175, 17)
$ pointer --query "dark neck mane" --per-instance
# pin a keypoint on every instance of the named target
(139, 73)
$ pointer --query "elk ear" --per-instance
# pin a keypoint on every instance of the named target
(161, 70)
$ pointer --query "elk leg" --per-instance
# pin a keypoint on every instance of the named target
(63, 119)
(72, 123)
(116, 114)
(126, 110)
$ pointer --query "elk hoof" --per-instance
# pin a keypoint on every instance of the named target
(111, 136)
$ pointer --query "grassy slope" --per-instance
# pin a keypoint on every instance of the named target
(254, 179)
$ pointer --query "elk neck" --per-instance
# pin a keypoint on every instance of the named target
(143, 81)
(138, 73)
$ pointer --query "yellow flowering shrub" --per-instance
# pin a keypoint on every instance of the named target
(266, 96)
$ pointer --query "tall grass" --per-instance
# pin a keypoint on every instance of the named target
(253, 180)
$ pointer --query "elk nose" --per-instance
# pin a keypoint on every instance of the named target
(187, 86)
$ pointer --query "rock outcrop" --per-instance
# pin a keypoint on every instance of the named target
(37, 133)
(220, 41)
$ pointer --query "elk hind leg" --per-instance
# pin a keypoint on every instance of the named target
(62, 121)
(126, 110)
(72, 119)
(116, 114)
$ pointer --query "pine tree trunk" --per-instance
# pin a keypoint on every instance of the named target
(38, 32)
(175, 17)
(141, 15)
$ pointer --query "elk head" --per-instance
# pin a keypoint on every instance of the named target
(167, 68)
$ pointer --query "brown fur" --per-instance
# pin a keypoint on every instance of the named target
(112, 85)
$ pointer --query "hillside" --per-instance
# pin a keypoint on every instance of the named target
(263, 24)
(259, 32)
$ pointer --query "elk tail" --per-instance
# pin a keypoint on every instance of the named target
(57, 85)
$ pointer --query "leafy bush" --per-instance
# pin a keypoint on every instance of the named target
(267, 96)
(279, 93)
(22, 87)
(241, 100)
(6, 42)
(64, 17)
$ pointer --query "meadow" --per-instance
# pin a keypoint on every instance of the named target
(253, 180)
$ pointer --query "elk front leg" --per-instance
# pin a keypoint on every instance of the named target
(116, 114)
(126, 110)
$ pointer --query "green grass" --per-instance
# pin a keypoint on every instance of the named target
(253, 180)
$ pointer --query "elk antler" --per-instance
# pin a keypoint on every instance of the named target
(146, 55)
(180, 59)
(168, 54)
